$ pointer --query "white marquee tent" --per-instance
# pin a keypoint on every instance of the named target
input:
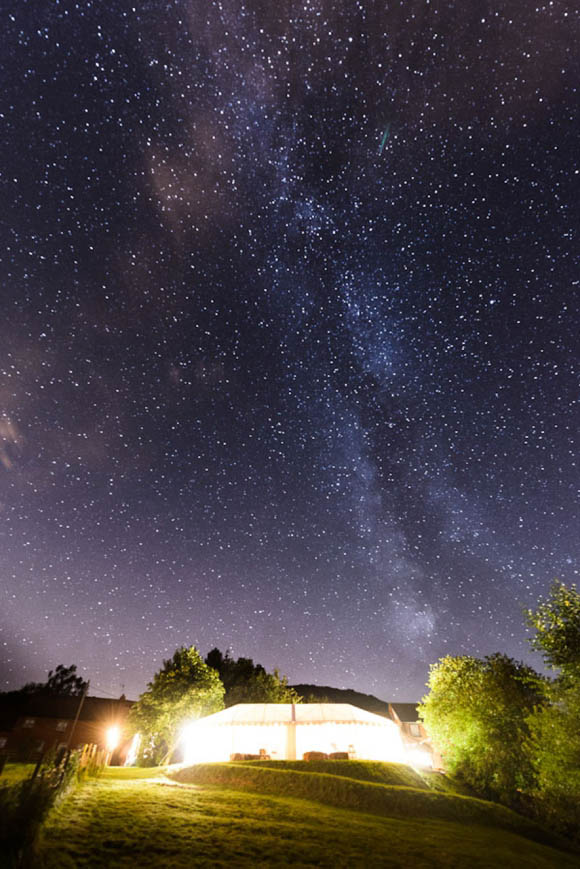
(285, 731)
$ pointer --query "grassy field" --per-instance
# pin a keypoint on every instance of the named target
(140, 818)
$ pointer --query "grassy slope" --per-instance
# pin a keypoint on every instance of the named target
(117, 821)
(395, 799)
(375, 771)
(361, 770)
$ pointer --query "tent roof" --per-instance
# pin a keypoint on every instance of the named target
(300, 713)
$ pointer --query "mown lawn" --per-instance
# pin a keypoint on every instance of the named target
(144, 821)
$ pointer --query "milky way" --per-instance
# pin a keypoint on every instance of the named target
(289, 345)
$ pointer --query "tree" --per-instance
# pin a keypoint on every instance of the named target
(246, 682)
(184, 689)
(475, 713)
(64, 680)
(554, 742)
(554, 749)
(61, 682)
(556, 622)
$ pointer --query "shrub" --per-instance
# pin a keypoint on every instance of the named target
(23, 806)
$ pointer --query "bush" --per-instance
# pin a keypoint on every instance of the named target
(24, 805)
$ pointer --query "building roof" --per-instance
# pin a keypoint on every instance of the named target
(299, 713)
(406, 712)
(37, 705)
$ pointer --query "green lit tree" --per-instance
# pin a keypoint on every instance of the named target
(556, 622)
(475, 713)
(184, 689)
(554, 742)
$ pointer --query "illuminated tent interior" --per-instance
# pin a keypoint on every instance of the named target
(286, 731)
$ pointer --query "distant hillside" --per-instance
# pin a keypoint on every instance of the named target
(324, 693)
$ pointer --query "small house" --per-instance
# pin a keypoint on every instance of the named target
(33, 724)
(415, 737)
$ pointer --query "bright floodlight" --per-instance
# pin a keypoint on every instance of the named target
(419, 757)
(113, 737)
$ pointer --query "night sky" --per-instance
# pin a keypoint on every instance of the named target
(289, 335)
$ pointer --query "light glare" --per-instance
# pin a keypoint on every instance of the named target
(133, 750)
(419, 757)
(113, 737)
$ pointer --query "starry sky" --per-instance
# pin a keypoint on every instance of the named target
(289, 335)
